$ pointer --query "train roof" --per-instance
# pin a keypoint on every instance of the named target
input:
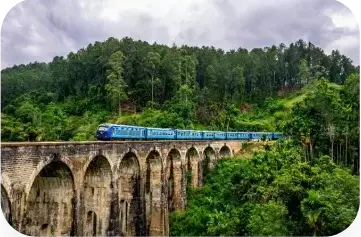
(119, 125)
(188, 130)
(161, 128)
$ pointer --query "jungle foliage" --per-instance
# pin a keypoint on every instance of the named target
(307, 184)
(275, 193)
(178, 87)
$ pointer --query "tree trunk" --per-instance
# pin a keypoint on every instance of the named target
(346, 150)
(339, 154)
(311, 150)
(305, 148)
(120, 110)
(332, 151)
(152, 90)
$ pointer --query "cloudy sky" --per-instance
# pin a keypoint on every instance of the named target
(38, 30)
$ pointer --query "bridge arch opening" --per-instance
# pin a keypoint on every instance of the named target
(153, 190)
(97, 189)
(6, 205)
(225, 152)
(192, 160)
(209, 158)
(129, 195)
(174, 180)
(49, 207)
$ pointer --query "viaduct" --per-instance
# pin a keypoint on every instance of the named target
(102, 188)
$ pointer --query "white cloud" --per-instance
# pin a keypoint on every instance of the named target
(41, 29)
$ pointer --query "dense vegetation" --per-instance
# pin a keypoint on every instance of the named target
(180, 87)
(305, 185)
(276, 193)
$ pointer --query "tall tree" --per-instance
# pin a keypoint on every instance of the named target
(153, 62)
(304, 72)
(116, 85)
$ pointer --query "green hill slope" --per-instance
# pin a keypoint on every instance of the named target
(175, 87)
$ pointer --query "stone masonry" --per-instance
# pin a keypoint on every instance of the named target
(122, 188)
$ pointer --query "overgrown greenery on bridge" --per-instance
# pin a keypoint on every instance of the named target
(307, 185)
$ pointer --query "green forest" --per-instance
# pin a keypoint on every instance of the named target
(175, 87)
(305, 184)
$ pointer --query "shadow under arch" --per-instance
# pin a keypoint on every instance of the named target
(6, 204)
(97, 196)
(173, 182)
(42, 164)
(50, 204)
(129, 196)
(154, 213)
(225, 152)
(192, 167)
(208, 162)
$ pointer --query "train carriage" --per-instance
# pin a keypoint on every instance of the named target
(160, 134)
(276, 135)
(244, 135)
(208, 135)
(219, 135)
(268, 135)
(231, 135)
(188, 135)
(256, 135)
(127, 132)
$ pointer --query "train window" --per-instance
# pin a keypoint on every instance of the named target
(102, 128)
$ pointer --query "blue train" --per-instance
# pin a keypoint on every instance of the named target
(108, 132)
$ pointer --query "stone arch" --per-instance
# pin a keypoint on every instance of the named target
(97, 156)
(128, 152)
(192, 163)
(97, 196)
(129, 195)
(225, 152)
(152, 194)
(208, 161)
(173, 171)
(6, 204)
(50, 202)
(42, 164)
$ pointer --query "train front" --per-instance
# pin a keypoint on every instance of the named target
(103, 132)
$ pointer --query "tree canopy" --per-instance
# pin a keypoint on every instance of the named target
(193, 87)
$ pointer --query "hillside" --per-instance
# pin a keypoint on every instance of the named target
(177, 87)
(305, 185)
(55, 123)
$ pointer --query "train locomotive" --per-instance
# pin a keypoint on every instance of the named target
(107, 132)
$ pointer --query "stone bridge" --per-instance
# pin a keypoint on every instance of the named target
(102, 188)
